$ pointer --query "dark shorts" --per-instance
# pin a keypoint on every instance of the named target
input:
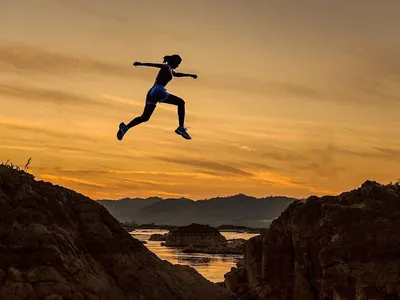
(157, 93)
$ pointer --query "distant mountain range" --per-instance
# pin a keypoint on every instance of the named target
(239, 210)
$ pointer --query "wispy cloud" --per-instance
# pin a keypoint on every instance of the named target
(94, 10)
(389, 152)
(361, 76)
(282, 154)
(258, 166)
(58, 97)
(124, 173)
(244, 147)
(67, 180)
(21, 57)
(262, 87)
(45, 130)
(213, 166)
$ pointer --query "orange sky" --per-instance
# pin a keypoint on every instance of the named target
(292, 99)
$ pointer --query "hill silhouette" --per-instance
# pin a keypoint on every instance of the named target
(240, 209)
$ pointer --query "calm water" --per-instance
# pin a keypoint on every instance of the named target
(211, 266)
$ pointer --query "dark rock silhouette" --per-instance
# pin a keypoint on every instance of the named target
(58, 244)
(158, 237)
(331, 247)
(195, 235)
(235, 246)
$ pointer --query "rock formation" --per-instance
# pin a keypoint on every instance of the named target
(333, 247)
(57, 244)
(195, 235)
(158, 237)
(235, 246)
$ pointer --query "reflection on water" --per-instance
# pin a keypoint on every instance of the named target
(211, 266)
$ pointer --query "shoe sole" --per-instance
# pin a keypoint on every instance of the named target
(119, 133)
(178, 132)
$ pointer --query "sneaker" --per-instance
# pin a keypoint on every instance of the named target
(182, 131)
(122, 130)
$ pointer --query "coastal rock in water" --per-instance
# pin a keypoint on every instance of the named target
(195, 235)
(331, 247)
(59, 244)
(158, 237)
(235, 246)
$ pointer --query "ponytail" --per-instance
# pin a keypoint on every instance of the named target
(170, 58)
(167, 58)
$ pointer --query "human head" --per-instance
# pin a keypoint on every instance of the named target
(173, 60)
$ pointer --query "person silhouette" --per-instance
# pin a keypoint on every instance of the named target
(158, 94)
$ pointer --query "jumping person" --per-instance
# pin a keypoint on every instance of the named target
(158, 93)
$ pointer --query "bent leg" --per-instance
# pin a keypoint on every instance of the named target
(172, 99)
(147, 112)
(181, 130)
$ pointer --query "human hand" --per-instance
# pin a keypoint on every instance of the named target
(136, 63)
(194, 76)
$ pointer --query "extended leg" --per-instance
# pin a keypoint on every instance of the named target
(147, 112)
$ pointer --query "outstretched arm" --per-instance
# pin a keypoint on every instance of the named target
(177, 74)
(136, 63)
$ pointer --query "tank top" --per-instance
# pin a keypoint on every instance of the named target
(164, 76)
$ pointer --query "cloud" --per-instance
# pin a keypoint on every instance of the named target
(94, 10)
(213, 166)
(22, 148)
(37, 129)
(260, 86)
(244, 147)
(389, 152)
(362, 76)
(52, 96)
(86, 183)
(22, 57)
(369, 74)
(382, 153)
(259, 166)
(125, 173)
(125, 101)
(282, 154)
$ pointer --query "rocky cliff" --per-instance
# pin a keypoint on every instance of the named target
(57, 244)
(333, 247)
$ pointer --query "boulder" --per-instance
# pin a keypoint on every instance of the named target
(195, 235)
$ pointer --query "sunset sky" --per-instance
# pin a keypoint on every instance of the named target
(293, 98)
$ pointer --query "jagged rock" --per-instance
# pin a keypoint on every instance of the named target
(195, 235)
(58, 244)
(331, 247)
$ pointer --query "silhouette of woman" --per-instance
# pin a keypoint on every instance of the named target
(158, 93)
